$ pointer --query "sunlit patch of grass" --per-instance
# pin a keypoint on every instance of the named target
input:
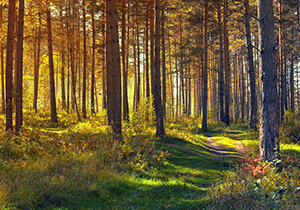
(226, 142)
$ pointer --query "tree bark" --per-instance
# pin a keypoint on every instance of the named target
(93, 63)
(221, 67)
(2, 63)
(115, 95)
(253, 112)
(164, 81)
(269, 123)
(51, 67)
(160, 131)
(227, 65)
(84, 62)
(9, 65)
(63, 87)
(205, 68)
(19, 73)
(147, 51)
(152, 61)
(124, 67)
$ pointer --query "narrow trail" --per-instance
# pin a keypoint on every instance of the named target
(220, 152)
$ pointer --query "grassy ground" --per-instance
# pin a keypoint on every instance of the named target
(79, 165)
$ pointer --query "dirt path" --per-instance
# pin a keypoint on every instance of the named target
(220, 152)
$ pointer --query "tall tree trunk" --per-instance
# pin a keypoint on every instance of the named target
(152, 61)
(282, 73)
(109, 69)
(253, 112)
(182, 101)
(292, 87)
(9, 65)
(19, 73)
(104, 68)
(269, 124)
(138, 90)
(2, 62)
(164, 81)
(93, 63)
(147, 51)
(114, 96)
(63, 87)
(221, 67)
(125, 91)
(227, 65)
(2, 77)
(242, 88)
(51, 67)
(160, 131)
(84, 63)
(205, 68)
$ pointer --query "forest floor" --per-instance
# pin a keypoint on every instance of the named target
(74, 165)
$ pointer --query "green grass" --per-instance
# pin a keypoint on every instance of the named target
(79, 166)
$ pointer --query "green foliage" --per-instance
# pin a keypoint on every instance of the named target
(290, 128)
(256, 185)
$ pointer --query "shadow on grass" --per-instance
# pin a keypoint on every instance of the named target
(180, 182)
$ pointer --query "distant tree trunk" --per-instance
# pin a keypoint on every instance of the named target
(51, 67)
(269, 123)
(2, 63)
(19, 74)
(283, 94)
(164, 81)
(2, 77)
(9, 65)
(253, 112)
(227, 65)
(104, 68)
(205, 68)
(152, 61)
(114, 92)
(125, 91)
(84, 62)
(138, 90)
(93, 63)
(147, 51)
(182, 101)
(243, 92)
(160, 131)
(109, 70)
(221, 68)
(292, 87)
(63, 87)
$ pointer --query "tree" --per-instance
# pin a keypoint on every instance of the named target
(221, 67)
(2, 62)
(253, 112)
(93, 61)
(37, 64)
(124, 66)
(227, 64)
(160, 131)
(84, 63)
(9, 65)
(269, 125)
(51, 66)
(204, 99)
(19, 74)
(114, 98)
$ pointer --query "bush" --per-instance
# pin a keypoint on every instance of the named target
(257, 185)
(290, 128)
